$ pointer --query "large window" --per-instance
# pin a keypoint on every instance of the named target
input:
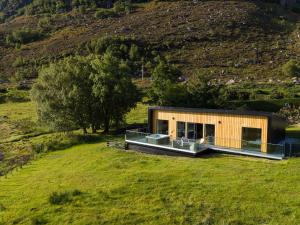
(189, 130)
(209, 130)
(180, 129)
(209, 133)
(194, 130)
(162, 127)
(251, 138)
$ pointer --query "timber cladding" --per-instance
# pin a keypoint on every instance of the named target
(228, 127)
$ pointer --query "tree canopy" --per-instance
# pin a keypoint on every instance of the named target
(84, 92)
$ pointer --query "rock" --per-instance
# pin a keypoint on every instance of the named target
(231, 81)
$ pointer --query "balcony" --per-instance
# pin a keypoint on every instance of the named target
(163, 143)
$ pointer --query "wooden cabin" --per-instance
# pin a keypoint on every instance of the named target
(226, 128)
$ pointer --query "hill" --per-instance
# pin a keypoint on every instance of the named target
(230, 39)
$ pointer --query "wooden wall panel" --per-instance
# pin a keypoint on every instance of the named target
(228, 128)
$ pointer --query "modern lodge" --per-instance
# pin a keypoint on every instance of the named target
(190, 131)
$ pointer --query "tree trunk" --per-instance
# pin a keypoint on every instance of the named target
(106, 125)
(94, 129)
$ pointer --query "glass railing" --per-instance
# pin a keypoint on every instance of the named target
(249, 146)
(164, 141)
(194, 146)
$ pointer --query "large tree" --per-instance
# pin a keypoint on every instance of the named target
(203, 93)
(64, 96)
(85, 92)
(164, 88)
(113, 86)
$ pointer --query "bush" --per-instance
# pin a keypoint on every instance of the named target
(61, 198)
(23, 36)
(38, 221)
(291, 68)
(291, 113)
(19, 62)
(104, 13)
(122, 6)
(44, 23)
(57, 198)
(277, 95)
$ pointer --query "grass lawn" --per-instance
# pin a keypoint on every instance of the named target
(115, 187)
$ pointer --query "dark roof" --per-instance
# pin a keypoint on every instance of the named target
(223, 111)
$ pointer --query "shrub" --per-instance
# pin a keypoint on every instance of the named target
(291, 68)
(44, 23)
(104, 13)
(38, 221)
(122, 6)
(19, 62)
(76, 192)
(277, 95)
(291, 113)
(57, 198)
(23, 36)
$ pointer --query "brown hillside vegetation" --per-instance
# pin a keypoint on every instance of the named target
(226, 38)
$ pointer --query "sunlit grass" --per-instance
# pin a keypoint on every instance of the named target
(130, 188)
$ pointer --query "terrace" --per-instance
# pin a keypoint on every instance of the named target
(149, 142)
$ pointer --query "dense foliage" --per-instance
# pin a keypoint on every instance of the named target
(291, 68)
(197, 92)
(291, 113)
(84, 92)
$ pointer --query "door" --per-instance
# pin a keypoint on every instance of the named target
(209, 133)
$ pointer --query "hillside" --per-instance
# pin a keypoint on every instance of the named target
(240, 39)
(93, 184)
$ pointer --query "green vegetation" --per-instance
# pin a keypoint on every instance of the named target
(291, 68)
(131, 188)
(23, 36)
(84, 92)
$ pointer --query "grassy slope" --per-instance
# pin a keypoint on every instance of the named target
(211, 35)
(132, 188)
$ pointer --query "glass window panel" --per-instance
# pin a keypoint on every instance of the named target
(209, 130)
(199, 131)
(251, 138)
(180, 129)
(191, 131)
(162, 127)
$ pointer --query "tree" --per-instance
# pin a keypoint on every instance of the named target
(64, 96)
(113, 87)
(203, 93)
(164, 79)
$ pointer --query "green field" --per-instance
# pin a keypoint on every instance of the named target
(131, 188)
(93, 184)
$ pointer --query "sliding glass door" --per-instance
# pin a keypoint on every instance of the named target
(194, 131)
(181, 129)
(209, 133)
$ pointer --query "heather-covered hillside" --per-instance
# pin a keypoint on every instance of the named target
(225, 38)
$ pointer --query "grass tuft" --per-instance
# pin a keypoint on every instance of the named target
(38, 221)
(57, 198)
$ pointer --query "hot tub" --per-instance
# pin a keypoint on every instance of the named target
(158, 139)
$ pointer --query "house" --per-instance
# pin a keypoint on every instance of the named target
(191, 131)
